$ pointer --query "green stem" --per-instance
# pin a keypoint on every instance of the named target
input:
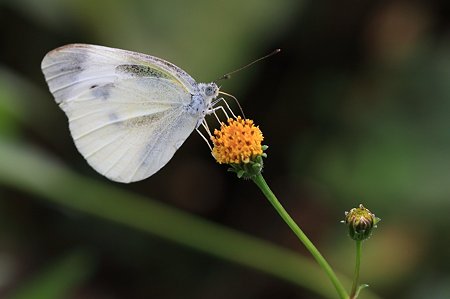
(354, 291)
(261, 183)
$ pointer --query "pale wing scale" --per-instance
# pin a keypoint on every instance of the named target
(127, 125)
(102, 146)
(162, 146)
(86, 115)
(128, 158)
(100, 63)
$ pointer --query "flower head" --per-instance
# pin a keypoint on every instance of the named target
(360, 222)
(238, 143)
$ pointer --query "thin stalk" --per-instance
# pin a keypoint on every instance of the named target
(354, 292)
(261, 183)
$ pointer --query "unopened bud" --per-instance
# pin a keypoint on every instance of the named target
(360, 222)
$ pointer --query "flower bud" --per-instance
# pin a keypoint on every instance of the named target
(360, 222)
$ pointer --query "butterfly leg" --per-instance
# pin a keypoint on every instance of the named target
(205, 126)
(236, 100)
(223, 110)
(226, 104)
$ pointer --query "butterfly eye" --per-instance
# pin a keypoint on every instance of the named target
(209, 91)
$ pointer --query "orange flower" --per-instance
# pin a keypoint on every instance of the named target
(237, 142)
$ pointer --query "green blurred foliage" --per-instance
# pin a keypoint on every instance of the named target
(59, 279)
(355, 109)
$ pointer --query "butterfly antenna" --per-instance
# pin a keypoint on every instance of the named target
(236, 100)
(228, 75)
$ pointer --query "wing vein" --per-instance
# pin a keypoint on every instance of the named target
(61, 74)
(114, 122)
(80, 81)
(55, 63)
(87, 156)
(117, 160)
(149, 150)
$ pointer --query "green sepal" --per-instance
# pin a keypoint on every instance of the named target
(251, 169)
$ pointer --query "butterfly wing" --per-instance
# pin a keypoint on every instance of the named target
(126, 110)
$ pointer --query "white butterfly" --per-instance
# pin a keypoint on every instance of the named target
(128, 112)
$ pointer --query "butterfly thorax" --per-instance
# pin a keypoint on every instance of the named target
(201, 102)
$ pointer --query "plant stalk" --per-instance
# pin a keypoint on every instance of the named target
(355, 285)
(261, 183)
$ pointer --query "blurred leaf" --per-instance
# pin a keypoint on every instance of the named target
(32, 171)
(10, 108)
(206, 38)
(59, 279)
(23, 103)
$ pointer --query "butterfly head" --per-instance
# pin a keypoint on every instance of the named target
(209, 90)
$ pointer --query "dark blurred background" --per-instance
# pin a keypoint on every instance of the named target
(355, 109)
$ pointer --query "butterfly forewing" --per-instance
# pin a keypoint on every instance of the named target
(126, 110)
